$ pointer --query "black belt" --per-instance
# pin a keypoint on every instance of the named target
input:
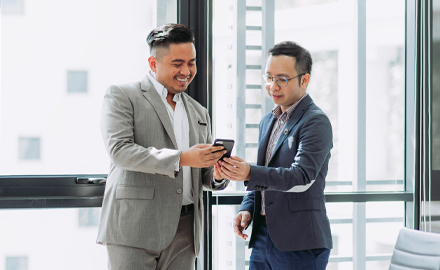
(187, 208)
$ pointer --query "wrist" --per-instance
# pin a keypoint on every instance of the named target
(218, 180)
(248, 176)
(183, 158)
(215, 175)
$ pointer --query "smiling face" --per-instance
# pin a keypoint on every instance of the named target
(283, 65)
(174, 67)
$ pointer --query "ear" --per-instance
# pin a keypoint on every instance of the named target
(153, 62)
(305, 79)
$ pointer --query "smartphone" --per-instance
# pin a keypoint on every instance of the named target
(227, 144)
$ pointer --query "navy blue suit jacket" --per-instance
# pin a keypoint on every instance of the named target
(293, 181)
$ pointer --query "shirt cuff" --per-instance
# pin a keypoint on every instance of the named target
(177, 168)
(216, 184)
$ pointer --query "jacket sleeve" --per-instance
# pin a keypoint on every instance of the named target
(315, 142)
(117, 128)
(248, 203)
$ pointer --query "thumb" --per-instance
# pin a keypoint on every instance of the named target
(201, 146)
(243, 223)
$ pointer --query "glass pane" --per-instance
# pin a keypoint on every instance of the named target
(332, 41)
(341, 224)
(55, 68)
(51, 239)
(385, 71)
(383, 223)
(225, 243)
(430, 216)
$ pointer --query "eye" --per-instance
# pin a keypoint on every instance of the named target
(177, 65)
(284, 79)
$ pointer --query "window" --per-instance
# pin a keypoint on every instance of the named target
(57, 61)
(29, 148)
(104, 46)
(12, 7)
(358, 80)
(16, 263)
(77, 81)
(51, 239)
(88, 217)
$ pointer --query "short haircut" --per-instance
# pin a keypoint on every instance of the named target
(303, 59)
(167, 34)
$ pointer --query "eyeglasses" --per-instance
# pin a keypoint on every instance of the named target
(281, 80)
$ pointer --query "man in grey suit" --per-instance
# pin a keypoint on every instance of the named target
(159, 142)
(290, 229)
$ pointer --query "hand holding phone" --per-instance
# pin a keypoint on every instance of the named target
(227, 144)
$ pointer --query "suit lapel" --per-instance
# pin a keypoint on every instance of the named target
(299, 111)
(262, 146)
(155, 100)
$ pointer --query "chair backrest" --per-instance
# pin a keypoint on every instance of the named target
(416, 250)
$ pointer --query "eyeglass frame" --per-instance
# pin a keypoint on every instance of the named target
(265, 76)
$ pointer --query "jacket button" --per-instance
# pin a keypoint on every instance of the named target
(179, 191)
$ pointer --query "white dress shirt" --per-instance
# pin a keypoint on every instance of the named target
(179, 121)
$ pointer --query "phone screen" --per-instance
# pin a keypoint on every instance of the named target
(227, 144)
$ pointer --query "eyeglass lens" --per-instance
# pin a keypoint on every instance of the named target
(282, 81)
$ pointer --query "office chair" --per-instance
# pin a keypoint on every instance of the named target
(416, 250)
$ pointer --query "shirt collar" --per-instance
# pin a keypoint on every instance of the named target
(161, 90)
(277, 112)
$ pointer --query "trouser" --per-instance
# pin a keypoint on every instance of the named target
(266, 256)
(179, 254)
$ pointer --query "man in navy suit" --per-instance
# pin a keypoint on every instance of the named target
(286, 201)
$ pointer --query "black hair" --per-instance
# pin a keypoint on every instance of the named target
(172, 33)
(303, 59)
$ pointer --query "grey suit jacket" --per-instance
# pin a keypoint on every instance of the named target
(143, 196)
(294, 180)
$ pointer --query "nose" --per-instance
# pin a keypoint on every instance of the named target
(185, 70)
(274, 86)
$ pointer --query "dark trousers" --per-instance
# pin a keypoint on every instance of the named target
(266, 256)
